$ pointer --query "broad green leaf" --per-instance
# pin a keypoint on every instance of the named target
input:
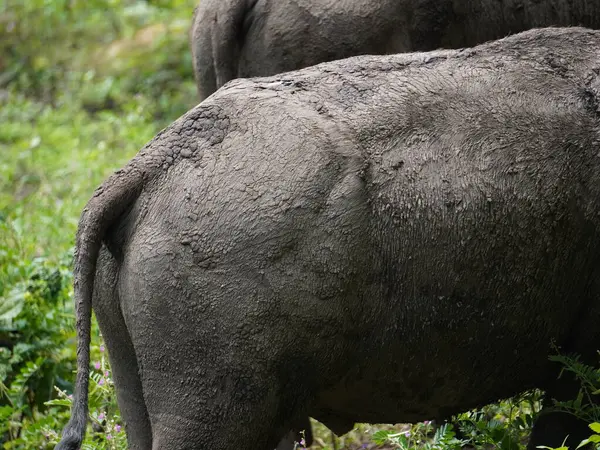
(582, 443)
(380, 437)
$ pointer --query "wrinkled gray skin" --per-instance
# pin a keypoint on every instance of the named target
(378, 239)
(248, 38)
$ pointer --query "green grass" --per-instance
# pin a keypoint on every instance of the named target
(103, 109)
(52, 160)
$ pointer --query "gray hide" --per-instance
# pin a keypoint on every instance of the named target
(248, 38)
(377, 239)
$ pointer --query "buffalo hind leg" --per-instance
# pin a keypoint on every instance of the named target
(121, 354)
(213, 412)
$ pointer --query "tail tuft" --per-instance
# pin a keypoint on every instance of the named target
(73, 434)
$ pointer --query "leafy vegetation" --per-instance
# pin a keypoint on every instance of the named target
(505, 426)
(83, 86)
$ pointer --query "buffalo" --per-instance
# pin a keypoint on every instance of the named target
(248, 38)
(377, 239)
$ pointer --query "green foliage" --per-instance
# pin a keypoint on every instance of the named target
(583, 405)
(37, 358)
(83, 86)
(419, 437)
(102, 52)
(594, 438)
(105, 429)
(93, 82)
(36, 348)
(49, 174)
(505, 425)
